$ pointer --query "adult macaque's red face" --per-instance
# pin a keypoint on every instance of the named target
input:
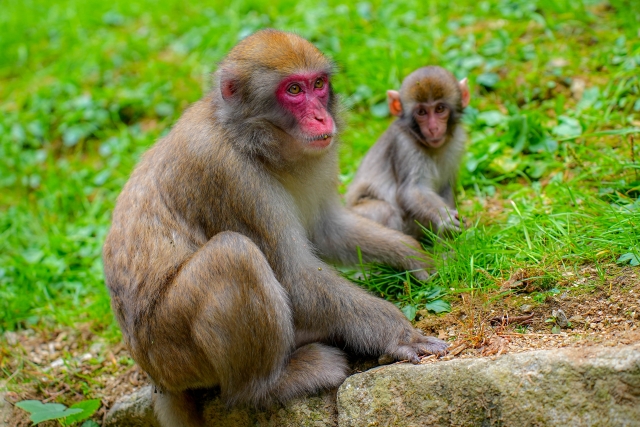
(306, 97)
(432, 118)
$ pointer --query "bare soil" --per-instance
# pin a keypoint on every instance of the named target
(599, 310)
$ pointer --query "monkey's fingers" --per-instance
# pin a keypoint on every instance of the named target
(431, 345)
(421, 346)
(451, 225)
(406, 352)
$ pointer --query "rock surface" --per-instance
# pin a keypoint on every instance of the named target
(5, 411)
(135, 410)
(577, 387)
(569, 387)
(316, 411)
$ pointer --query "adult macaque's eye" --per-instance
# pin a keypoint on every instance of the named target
(294, 89)
(319, 84)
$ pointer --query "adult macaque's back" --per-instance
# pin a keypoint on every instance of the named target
(212, 261)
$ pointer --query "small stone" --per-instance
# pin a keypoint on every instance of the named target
(96, 347)
(11, 337)
(56, 363)
(526, 308)
(558, 62)
(577, 88)
(576, 319)
(561, 318)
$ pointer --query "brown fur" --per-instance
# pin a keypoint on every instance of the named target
(212, 258)
(428, 84)
(401, 180)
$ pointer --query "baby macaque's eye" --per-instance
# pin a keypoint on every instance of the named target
(440, 108)
(422, 112)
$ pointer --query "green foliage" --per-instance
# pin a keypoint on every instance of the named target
(88, 408)
(546, 228)
(78, 412)
(410, 311)
(46, 411)
(400, 287)
(630, 257)
(87, 86)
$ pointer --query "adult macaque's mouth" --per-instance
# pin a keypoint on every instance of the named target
(319, 141)
(319, 137)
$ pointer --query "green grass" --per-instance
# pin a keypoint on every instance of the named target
(550, 180)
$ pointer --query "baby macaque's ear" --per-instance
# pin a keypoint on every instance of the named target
(466, 95)
(395, 106)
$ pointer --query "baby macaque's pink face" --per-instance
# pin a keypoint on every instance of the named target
(432, 118)
(430, 104)
(306, 97)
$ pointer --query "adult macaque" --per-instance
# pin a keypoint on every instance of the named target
(212, 258)
(410, 173)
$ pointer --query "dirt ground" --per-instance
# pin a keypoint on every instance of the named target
(72, 365)
(589, 310)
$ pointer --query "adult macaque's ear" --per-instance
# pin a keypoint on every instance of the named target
(466, 95)
(395, 106)
(228, 85)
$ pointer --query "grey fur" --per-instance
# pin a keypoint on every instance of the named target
(213, 258)
(401, 181)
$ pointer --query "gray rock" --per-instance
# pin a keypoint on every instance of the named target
(136, 410)
(568, 387)
(133, 410)
(6, 410)
(315, 411)
(596, 386)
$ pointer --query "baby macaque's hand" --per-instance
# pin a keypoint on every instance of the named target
(448, 220)
(423, 273)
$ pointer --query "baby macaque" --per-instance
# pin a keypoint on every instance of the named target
(409, 175)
